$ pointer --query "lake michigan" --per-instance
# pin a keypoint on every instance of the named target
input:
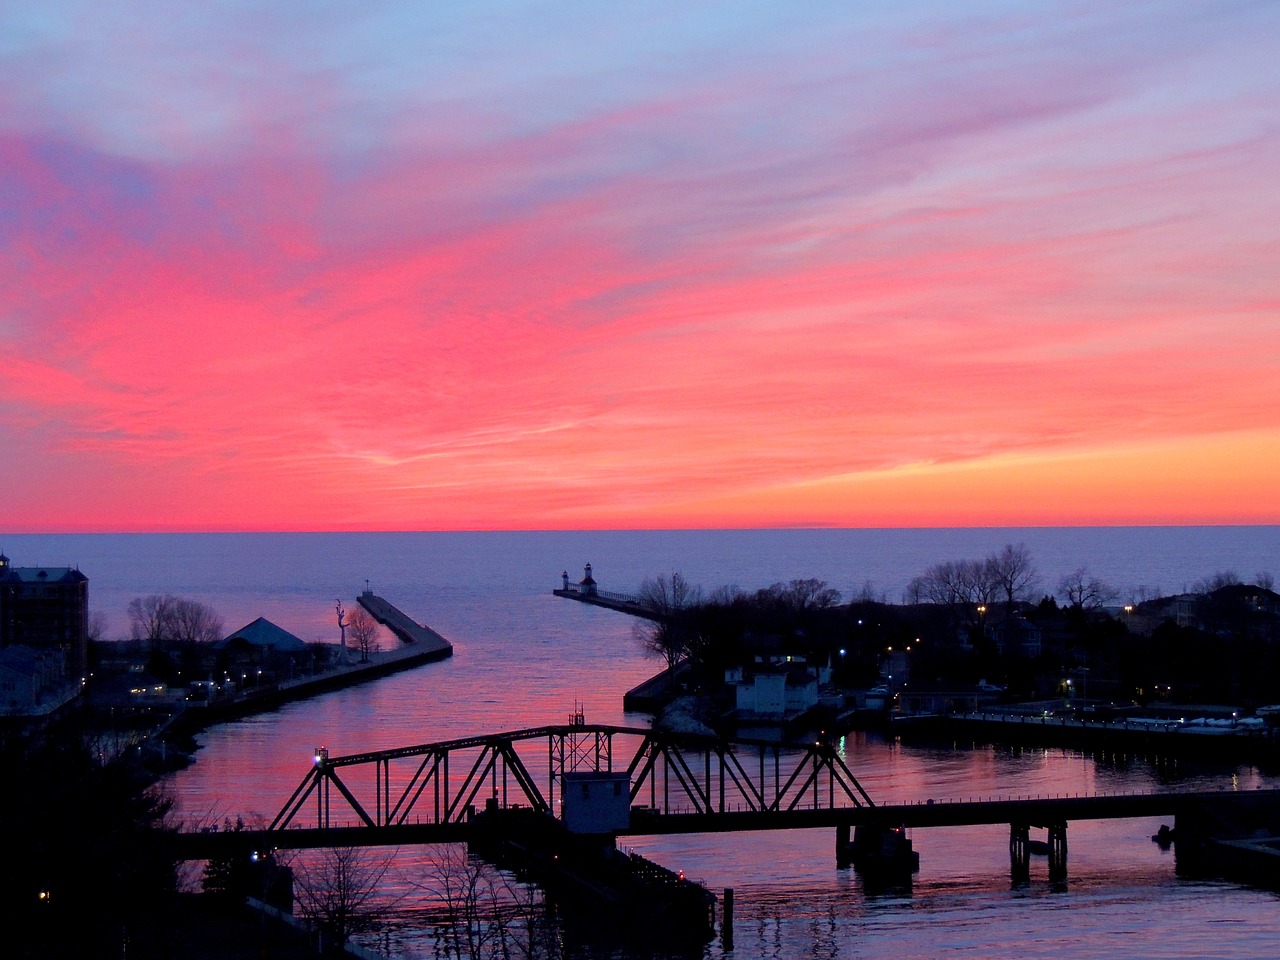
(525, 658)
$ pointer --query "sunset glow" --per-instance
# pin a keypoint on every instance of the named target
(514, 266)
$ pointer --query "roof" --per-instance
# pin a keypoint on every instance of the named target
(43, 575)
(263, 633)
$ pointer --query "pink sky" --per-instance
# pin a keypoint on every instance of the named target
(504, 266)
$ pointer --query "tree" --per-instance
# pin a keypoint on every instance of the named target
(1220, 579)
(337, 889)
(363, 630)
(86, 848)
(488, 914)
(801, 596)
(1084, 592)
(97, 627)
(161, 618)
(150, 617)
(192, 622)
(668, 635)
(1013, 572)
(962, 586)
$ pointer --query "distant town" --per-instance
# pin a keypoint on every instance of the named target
(969, 635)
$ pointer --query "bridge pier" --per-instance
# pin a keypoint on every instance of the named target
(1019, 853)
(879, 852)
(1021, 846)
(1058, 851)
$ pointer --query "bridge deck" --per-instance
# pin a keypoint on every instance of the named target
(1036, 811)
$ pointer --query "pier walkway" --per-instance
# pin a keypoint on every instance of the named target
(424, 640)
(588, 591)
(621, 602)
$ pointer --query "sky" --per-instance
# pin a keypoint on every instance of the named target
(487, 265)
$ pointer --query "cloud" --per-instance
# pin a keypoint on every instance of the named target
(541, 265)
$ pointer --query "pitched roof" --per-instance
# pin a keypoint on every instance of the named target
(263, 633)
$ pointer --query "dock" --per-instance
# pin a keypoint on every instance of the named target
(1243, 739)
(587, 590)
(429, 644)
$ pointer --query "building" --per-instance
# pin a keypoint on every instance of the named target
(32, 681)
(261, 646)
(777, 690)
(46, 609)
(1016, 635)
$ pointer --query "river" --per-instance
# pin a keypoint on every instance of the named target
(525, 658)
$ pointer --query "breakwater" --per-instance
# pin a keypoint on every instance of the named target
(421, 638)
(419, 645)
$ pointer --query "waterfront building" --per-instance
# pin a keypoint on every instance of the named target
(777, 690)
(261, 645)
(46, 609)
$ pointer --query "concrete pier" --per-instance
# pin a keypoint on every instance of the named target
(425, 640)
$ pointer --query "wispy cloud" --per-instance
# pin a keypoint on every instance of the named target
(529, 265)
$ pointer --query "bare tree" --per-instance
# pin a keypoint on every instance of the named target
(161, 618)
(192, 622)
(150, 617)
(977, 582)
(363, 630)
(668, 634)
(959, 585)
(801, 596)
(1265, 580)
(337, 889)
(1085, 592)
(1220, 579)
(96, 630)
(488, 914)
(1013, 572)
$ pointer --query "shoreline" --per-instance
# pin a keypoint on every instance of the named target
(1169, 739)
(192, 718)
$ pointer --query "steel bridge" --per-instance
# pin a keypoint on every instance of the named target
(445, 783)
(676, 783)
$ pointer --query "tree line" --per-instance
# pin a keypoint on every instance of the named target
(955, 620)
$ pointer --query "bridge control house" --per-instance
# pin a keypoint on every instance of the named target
(596, 801)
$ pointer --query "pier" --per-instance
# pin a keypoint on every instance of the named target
(425, 641)
(587, 590)
(419, 645)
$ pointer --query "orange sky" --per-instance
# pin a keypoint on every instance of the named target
(711, 266)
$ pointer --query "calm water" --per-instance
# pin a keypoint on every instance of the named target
(523, 657)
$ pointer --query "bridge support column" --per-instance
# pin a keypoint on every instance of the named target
(1058, 851)
(726, 920)
(1019, 852)
(844, 849)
